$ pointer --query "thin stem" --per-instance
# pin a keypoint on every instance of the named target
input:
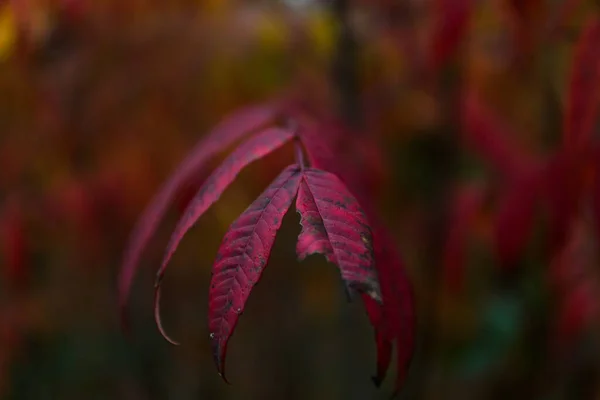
(299, 153)
(345, 72)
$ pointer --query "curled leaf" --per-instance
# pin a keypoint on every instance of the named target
(232, 129)
(253, 149)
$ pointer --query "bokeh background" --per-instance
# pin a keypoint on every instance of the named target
(100, 100)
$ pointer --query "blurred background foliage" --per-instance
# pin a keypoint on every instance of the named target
(100, 100)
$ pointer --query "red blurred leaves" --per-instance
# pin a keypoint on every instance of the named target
(558, 185)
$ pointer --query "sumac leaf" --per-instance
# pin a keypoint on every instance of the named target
(243, 256)
(232, 129)
(333, 224)
(584, 86)
(253, 149)
(395, 319)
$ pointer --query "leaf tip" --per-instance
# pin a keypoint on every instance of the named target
(157, 317)
(219, 357)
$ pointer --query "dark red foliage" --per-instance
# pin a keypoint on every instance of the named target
(557, 186)
(332, 218)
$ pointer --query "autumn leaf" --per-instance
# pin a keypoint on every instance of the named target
(394, 320)
(229, 131)
(253, 149)
(243, 256)
(333, 224)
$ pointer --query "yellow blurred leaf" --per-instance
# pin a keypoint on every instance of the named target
(8, 32)
(272, 32)
(321, 31)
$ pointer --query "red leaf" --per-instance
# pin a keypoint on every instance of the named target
(584, 86)
(334, 225)
(395, 319)
(451, 26)
(232, 129)
(253, 149)
(243, 256)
